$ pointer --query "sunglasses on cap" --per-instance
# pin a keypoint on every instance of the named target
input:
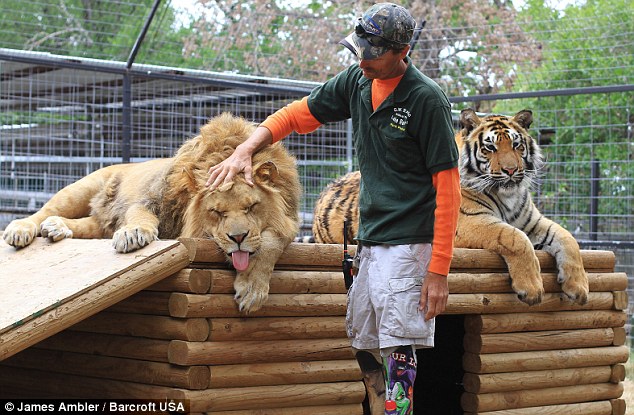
(373, 39)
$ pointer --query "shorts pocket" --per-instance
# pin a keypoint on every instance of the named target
(404, 318)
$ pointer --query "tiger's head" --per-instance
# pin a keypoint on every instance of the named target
(496, 152)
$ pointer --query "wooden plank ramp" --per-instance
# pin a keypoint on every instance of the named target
(47, 287)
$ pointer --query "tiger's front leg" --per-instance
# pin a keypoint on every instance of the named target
(488, 232)
(558, 242)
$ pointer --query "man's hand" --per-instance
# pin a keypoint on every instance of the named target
(224, 172)
(433, 295)
(240, 160)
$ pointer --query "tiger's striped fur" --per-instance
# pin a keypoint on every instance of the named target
(338, 202)
(499, 162)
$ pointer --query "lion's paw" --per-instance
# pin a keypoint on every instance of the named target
(55, 229)
(527, 283)
(574, 283)
(20, 233)
(250, 296)
(131, 238)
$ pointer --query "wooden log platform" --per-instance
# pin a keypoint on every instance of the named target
(181, 336)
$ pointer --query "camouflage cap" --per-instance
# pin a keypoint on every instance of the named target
(382, 27)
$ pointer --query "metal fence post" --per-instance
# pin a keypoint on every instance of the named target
(594, 200)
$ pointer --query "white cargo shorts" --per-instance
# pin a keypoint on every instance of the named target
(383, 300)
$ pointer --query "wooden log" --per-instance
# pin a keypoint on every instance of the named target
(108, 345)
(349, 409)
(140, 325)
(277, 305)
(554, 320)
(537, 379)
(486, 282)
(618, 373)
(205, 252)
(620, 300)
(273, 397)
(618, 406)
(188, 280)
(540, 397)
(584, 408)
(620, 336)
(144, 302)
(331, 282)
(329, 256)
(286, 282)
(476, 260)
(151, 373)
(223, 305)
(283, 373)
(509, 303)
(276, 328)
(39, 383)
(542, 360)
(242, 352)
(538, 340)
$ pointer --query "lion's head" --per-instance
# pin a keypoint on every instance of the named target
(236, 215)
(496, 151)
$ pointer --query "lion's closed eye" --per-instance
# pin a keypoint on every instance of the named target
(218, 213)
(249, 209)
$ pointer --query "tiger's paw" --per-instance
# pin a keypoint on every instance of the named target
(574, 283)
(130, 238)
(55, 229)
(527, 283)
(20, 233)
(531, 294)
(250, 295)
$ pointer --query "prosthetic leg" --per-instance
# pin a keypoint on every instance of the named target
(400, 374)
(374, 381)
(390, 386)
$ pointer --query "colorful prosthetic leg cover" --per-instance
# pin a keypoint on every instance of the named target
(400, 373)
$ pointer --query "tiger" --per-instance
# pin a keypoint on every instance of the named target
(337, 203)
(499, 164)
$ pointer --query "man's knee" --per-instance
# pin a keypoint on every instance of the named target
(368, 361)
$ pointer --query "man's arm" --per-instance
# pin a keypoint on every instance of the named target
(435, 291)
(294, 117)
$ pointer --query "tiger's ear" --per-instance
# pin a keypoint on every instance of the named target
(524, 118)
(469, 120)
(266, 172)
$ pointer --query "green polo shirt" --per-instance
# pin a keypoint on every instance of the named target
(399, 146)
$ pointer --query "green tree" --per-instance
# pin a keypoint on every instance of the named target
(584, 45)
(103, 29)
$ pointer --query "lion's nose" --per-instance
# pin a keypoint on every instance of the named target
(238, 238)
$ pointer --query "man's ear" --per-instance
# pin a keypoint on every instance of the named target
(266, 173)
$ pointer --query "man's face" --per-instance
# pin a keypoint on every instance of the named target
(389, 65)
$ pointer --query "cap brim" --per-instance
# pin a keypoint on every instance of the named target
(362, 48)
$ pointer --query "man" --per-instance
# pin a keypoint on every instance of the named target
(409, 196)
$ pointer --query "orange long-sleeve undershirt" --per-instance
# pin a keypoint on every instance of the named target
(296, 116)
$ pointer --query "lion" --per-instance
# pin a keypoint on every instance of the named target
(499, 162)
(136, 203)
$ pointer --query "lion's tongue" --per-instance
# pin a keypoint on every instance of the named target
(240, 260)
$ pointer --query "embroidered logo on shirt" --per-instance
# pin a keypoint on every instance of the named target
(400, 118)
